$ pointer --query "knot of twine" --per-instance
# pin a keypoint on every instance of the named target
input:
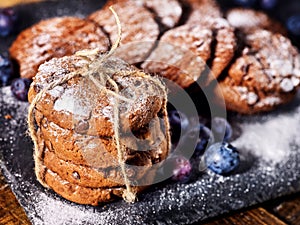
(95, 67)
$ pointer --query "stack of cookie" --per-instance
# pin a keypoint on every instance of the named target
(77, 154)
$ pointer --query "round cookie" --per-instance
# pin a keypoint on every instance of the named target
(139, 29)
(88, 176)
(265, 75)
(82, 195)
(100, 152)
(79, 104)
(77, 174)
(249, 19)
(55, 37)
(183, 52)
(208, 14)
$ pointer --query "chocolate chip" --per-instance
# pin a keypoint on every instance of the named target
(82, 127)
(76, 175)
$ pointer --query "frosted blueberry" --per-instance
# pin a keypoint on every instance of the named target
(182, 169)
(221, 158)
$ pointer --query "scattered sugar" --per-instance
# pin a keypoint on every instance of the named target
(271, 139)
(170, 204)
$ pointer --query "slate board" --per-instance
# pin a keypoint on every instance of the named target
(268, 143)
(261, 176)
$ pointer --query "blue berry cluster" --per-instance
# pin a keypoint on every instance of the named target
(210, 143)
(19, 86)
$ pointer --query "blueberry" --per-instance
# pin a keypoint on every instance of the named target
(182, 169)
(293, 24)
(20, 87)
(178, 124)
(221, 158)
(6, 71)
(221, 129)
(205, 136)
(8, 20)
(268, 4)
(197, 138)
(245, 3)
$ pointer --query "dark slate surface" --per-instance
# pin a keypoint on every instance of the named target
(268, 143)
(261, 177)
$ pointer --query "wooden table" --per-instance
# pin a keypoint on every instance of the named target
(280, 211)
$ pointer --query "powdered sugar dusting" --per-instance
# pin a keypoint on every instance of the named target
(67, 212)
(271, 139)
(69, 103)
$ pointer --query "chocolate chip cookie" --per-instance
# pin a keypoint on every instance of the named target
(78, 104)
(139, 29)
(55, 37)
(90, 150)
(82, 195)
(265, 75)
(183, 52)
(88, 176)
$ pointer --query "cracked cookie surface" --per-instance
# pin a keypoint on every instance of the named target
(79, 103)
(55, 37)
(184, 52)
(139, 29)
(265, 75)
